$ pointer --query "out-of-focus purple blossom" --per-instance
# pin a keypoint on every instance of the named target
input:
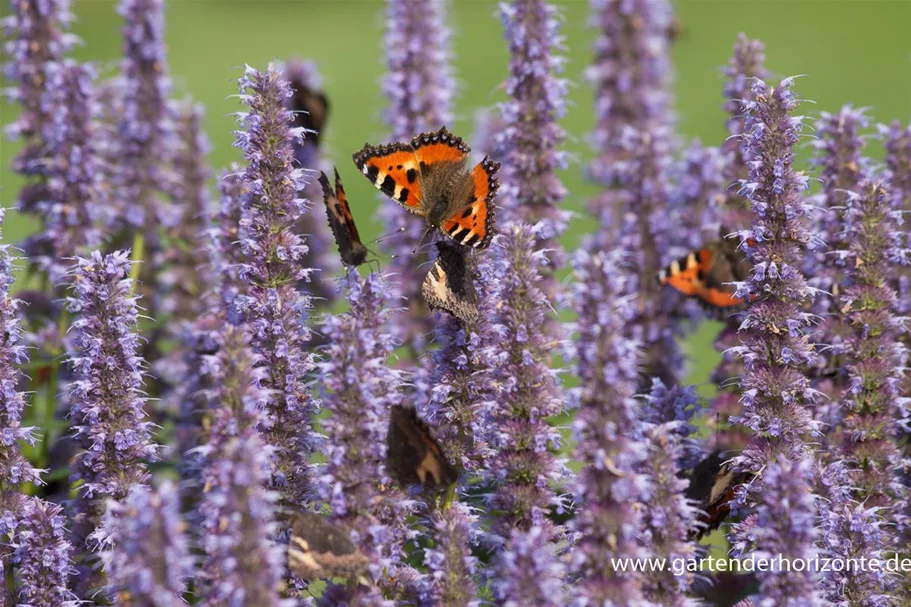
(186, 279)
(272, 264)
(786, 526)
(698, 197)
(609, 483)
(242, 564)
(359, 389)
(40, 553)
(311, 107)
(74, 202)
(528, 144)
(774, 348)
(460, 390)
(527, 572)
(872, 355)
(449, 562)
(147, 140)
(747, 63)
(630, 74)
(897, 141)
(224, 242)
(37, 36)
(528, 393)
(147, 557)
(487, 126)
(15, 469)
(109, 424)
(669, 517)
(419, 86)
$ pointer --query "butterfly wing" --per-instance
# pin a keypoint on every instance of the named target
(439, 147)
(473, 224)
(352, 250)
(706, 274)
(394, 170)
(449, 284)
(311, 108)
(414, 457)
(713, 484)
(318, 549)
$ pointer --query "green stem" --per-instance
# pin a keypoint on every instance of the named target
(450, 497)
(139, 245)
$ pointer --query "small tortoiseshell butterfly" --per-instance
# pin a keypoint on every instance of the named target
(318, 549)
(712, 487)
(429, 177)
(450, 285)
(413, 456)
(352, 250)
(707, 274)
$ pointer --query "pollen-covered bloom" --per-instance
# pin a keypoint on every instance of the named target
(419, 86)
(872, 355)
(15, 469)
(359, 390)
(529, 141)
(147, 140)
(605, 430)
(775, 391)
(39, 552)
(110, 426)
(146, 555)
(450, 564)
(271, 266)
(523, 442)
(74, 200)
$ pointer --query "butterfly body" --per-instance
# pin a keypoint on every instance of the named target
(450, 284)
(429, 177)
(351, 249)
(709, 274)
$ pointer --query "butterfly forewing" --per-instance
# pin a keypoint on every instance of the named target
(414, 457)
(351, 249)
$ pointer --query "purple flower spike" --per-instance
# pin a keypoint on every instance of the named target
(40, 554)
(775, 391)
(610, 482)
(450, 564)
(15, 469)
(419, 86)
(699, 199)
(897, 141)
(147, 557)
(747, 63)
(272, 264)
(527, 572)
(110, 426)
(523, 441)
(36, 32)
(242, 566)
(528, 144)
(630, 76)
(786, 526)
(224, 247)
(146, 138)
(74, 203)
(872, 356)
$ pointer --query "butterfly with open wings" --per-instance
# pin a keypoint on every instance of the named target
(429, 177)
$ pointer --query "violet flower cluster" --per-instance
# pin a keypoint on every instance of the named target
(271, 266)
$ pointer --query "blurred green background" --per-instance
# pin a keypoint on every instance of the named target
(851, 51)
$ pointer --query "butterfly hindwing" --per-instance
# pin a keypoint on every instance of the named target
(414, 457)
(706, 274)
(473, 225)
(319, 549)
(712, 487)
(394, 169)
(449, 285)
(352, 250)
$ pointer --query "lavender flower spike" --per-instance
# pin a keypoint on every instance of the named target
(610, 482)
(527, 572)
(110, 426)
(528, 144)
(41, 555)
(271, 266)
(15, 469)
(450, 564)
(774, 347)
(419, 86)
(147, 557)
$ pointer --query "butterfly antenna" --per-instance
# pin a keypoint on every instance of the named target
(388, 236)
(419, 246)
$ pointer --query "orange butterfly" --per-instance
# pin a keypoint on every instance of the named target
(429, 177)
(708, 273)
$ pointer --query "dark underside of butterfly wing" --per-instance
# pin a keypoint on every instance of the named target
(352, 251)
(449, 285)
(712, 487)
(311, 108)
(413, 456)
(318, 549)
